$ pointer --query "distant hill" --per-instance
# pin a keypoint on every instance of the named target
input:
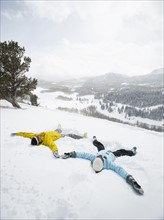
(108, 80)
(132, 98)
(156, 78)
(104, 83)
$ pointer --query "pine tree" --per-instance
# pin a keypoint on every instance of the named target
(13, 65)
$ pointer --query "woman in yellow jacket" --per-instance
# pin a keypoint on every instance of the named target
(47, 138)
(44, 138)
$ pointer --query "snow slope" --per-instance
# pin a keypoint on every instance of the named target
(35, 185)
(51, 101)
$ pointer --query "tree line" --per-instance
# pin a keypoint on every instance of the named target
(136, 96)
(130, 111)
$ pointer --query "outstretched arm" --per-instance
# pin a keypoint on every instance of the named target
(129, 179)
(119, 170)
(24, 134)
(75, 154)
(86, 156)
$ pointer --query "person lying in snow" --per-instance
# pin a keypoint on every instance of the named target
(47, 138)
(105, 160)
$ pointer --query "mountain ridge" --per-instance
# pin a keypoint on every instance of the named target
(156, 78)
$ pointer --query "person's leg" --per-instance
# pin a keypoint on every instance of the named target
(98, 144)
(123, 152)
(74, 136)
(58, 130)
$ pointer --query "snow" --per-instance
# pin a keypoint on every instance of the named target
(35, 185)
(49, 99)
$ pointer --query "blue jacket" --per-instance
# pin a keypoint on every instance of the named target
(109, 159)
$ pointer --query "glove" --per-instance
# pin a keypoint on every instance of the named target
(134, 184)
(13, 134)
(56, 154)
(130, 180)
(68, 155)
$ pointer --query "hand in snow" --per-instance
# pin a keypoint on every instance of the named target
(56, 154)
(13, 134)
(68, 155)
(65, 156)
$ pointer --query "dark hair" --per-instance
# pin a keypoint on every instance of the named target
(34, 141)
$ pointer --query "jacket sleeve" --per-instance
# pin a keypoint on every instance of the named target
(119, 170)
(86, 156)
(52, 146)
(26, 134)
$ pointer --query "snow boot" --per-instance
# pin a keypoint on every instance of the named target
(134, 150)
(59, 129)
(85, 135)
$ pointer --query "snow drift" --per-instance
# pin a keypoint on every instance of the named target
(35, 185)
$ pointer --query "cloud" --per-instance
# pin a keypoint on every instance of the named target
(103, 18)
(12, 15)
(77, 38)
(74, 60)
(53, 10)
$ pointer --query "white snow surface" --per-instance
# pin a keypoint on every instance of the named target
(51, 101)
(35, 185)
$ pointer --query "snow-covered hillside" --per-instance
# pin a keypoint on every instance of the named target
(35, 185)
(51, 100)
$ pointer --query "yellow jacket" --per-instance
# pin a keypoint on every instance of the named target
(47, 138)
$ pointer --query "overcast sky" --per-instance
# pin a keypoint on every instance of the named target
(86, 38)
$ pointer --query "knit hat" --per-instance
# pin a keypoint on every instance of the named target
(34, 141)
(98, 164)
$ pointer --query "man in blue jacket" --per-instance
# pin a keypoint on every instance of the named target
(105, 160)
